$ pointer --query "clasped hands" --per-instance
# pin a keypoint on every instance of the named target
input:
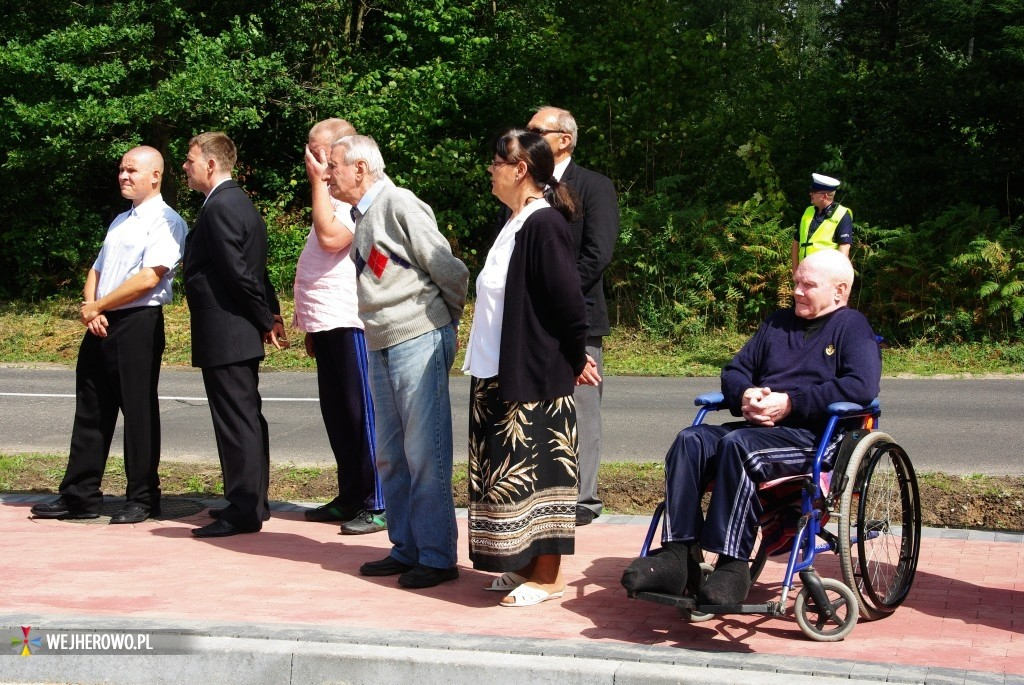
(93, 319)
(590, 376)
(762, 407)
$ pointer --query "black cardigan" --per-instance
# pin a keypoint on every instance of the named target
(544, 325)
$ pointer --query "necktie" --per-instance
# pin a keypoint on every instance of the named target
(355, 214)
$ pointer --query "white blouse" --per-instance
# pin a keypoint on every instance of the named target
(485, 336)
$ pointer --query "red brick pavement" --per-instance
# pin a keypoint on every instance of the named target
(966, 610)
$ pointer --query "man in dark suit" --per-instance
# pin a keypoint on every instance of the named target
(594, 234)
(233, 310)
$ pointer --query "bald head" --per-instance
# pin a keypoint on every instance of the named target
(149, 156)
(140, 174)
(833, 264)
(326, 132)
(822, 284)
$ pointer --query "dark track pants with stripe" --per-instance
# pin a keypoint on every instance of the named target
(347, 408)
(736, 457)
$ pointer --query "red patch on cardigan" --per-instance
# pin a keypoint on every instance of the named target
(377, 262)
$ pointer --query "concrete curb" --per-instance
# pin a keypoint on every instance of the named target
(251, 654)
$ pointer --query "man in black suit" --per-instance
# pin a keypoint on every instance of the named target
(234, 310)
(594, 234)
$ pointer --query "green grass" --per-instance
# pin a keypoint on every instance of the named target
(49, 332)
(975, 501)
(923, 359)
(302, 475)
(10, 466)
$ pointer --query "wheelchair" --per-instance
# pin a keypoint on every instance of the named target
(871, 497)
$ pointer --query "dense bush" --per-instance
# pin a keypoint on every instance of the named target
(709, 116)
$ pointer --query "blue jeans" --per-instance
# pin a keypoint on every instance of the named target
(414, 446)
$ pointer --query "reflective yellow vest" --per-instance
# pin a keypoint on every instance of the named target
(822, 238)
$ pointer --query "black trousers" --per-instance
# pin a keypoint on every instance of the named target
(243, 440)
(117, 373)
(347, 408)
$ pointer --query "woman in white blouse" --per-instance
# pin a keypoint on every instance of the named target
(526, 354)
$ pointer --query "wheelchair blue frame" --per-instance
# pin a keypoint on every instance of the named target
(813, 503)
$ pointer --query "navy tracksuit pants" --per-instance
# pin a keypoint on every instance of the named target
(736, 457)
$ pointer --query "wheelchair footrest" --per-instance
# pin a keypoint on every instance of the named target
(677, 601)
(768, 608)
(690, 604)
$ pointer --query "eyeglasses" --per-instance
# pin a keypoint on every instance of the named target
(500, 162)
(545, 131)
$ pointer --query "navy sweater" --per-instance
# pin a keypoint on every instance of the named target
(839, 362)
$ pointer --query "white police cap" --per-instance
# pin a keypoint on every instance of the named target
(822, 182)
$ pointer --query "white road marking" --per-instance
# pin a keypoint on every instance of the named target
(162, 397)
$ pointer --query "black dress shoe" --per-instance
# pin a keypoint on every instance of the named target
(388, 566)
(59, 509)
(427, 576)
(132, 513)
(216, 512)
(221, 529)
(584, 516)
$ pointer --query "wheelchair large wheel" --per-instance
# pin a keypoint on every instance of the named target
(879, 525)
(831, 623)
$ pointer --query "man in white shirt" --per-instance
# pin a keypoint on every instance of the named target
(119, 359)
(327, 309)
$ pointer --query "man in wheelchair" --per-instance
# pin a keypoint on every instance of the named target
(798, 362)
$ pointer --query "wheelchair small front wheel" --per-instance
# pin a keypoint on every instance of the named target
(829, 623)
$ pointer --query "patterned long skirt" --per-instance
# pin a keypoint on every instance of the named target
(523, 478)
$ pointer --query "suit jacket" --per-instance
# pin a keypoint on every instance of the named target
(230, 299)
(593, 234)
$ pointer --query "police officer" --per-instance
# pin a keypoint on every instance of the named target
(826, 224)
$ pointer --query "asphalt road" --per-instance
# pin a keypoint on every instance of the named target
(956, 426)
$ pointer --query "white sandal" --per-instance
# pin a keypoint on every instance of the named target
(528, 596)
(505, 582)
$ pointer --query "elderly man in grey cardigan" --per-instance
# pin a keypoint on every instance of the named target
(411, 291)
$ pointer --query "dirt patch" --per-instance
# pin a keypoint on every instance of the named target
(990, 502)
